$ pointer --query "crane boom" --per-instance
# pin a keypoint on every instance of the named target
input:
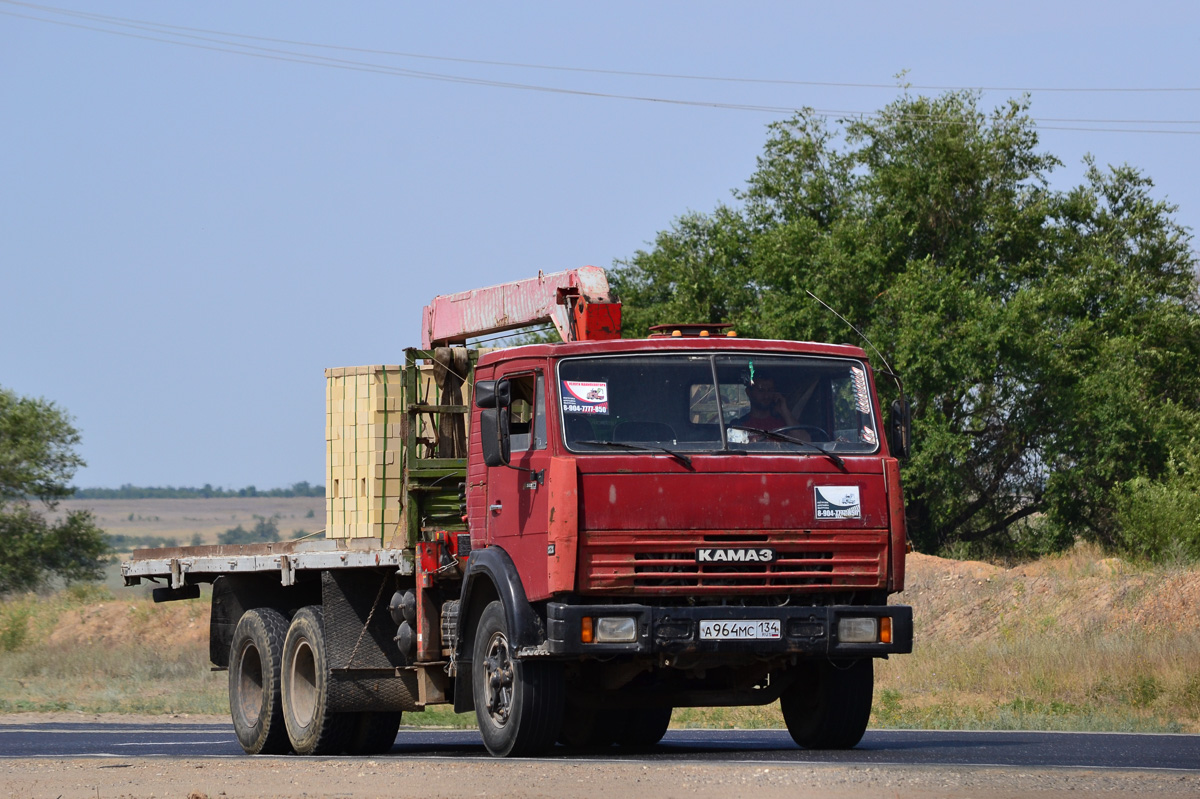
(577, 301)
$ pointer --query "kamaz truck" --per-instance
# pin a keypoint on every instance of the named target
(572, 539)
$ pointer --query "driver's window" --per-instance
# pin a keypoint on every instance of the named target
(527, 413)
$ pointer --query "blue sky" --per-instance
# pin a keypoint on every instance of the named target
(188, 236)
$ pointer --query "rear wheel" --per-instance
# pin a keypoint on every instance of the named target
(830, 703)
(311, 727)
(254, 693)
(373, 733)
(519, 703)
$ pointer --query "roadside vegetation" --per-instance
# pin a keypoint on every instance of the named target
(83, 649)
(1076, 641)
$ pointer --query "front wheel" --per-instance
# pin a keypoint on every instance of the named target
(519, 703)
(829, 704)
(643, 727)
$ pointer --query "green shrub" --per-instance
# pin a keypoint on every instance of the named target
(14, 628)
(1160, 519)
(264, 530)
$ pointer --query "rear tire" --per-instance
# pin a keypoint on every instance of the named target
(254, 694)
(373, 733)
(829, 705)
(311, 726)
(519, 703)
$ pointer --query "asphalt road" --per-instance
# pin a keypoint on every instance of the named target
(1118, 751)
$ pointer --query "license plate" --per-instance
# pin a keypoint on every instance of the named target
(739, 629)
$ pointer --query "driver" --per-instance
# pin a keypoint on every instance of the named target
(768, 407)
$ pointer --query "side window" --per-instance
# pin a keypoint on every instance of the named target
(527, 414)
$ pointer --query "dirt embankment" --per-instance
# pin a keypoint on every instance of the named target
(1078, 593)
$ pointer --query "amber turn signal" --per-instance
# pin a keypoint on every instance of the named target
(586, 633)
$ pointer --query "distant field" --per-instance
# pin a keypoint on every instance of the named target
(182, 519)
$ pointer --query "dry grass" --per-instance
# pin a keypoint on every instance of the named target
(1074, 642)
(84, 650)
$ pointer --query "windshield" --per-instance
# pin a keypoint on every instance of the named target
(710, 402)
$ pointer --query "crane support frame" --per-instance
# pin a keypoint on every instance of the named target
(577, 301)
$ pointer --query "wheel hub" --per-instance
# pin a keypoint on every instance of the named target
(498, 679)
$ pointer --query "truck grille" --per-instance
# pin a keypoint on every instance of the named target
(652, 563)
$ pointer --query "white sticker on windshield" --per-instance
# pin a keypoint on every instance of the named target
(838, 502)
(862, 397)
(581, 397)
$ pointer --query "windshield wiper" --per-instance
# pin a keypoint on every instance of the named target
(837, 459)
(679, 456)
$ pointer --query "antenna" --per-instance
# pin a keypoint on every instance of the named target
(904, 437)
(862, 335)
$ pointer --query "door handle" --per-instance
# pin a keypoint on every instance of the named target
(496, 508)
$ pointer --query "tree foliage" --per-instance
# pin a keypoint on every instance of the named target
(37, 449)
(264, 529)
(1049, 339)
(37, 459)
(129, 491)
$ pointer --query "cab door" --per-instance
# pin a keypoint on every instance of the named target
(517, 511)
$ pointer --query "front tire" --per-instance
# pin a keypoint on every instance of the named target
(254, 693)
(519, 703)
(586, 727)
(829, 704)
(643, 727)
(311, 726)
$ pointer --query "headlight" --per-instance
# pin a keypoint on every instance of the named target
(616, 630)
(858, 630)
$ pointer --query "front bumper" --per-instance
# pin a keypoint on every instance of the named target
(809, 631)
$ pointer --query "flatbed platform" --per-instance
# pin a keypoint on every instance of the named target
(205, 563)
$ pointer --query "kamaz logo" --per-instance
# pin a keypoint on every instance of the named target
(735, 555)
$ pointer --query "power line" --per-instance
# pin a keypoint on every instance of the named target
(207, 42)
(595, 71)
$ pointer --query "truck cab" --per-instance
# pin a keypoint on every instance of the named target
(693, 520)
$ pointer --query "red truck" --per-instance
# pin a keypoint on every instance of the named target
(572, 539)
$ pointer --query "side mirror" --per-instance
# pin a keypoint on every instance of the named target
(900, 429)
(495, 397)
(485, 394)
(503, 394)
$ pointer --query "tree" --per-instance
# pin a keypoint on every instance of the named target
(37, 459)
(264, 530)
(1049, 340)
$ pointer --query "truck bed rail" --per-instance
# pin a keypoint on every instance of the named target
(191, 565)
